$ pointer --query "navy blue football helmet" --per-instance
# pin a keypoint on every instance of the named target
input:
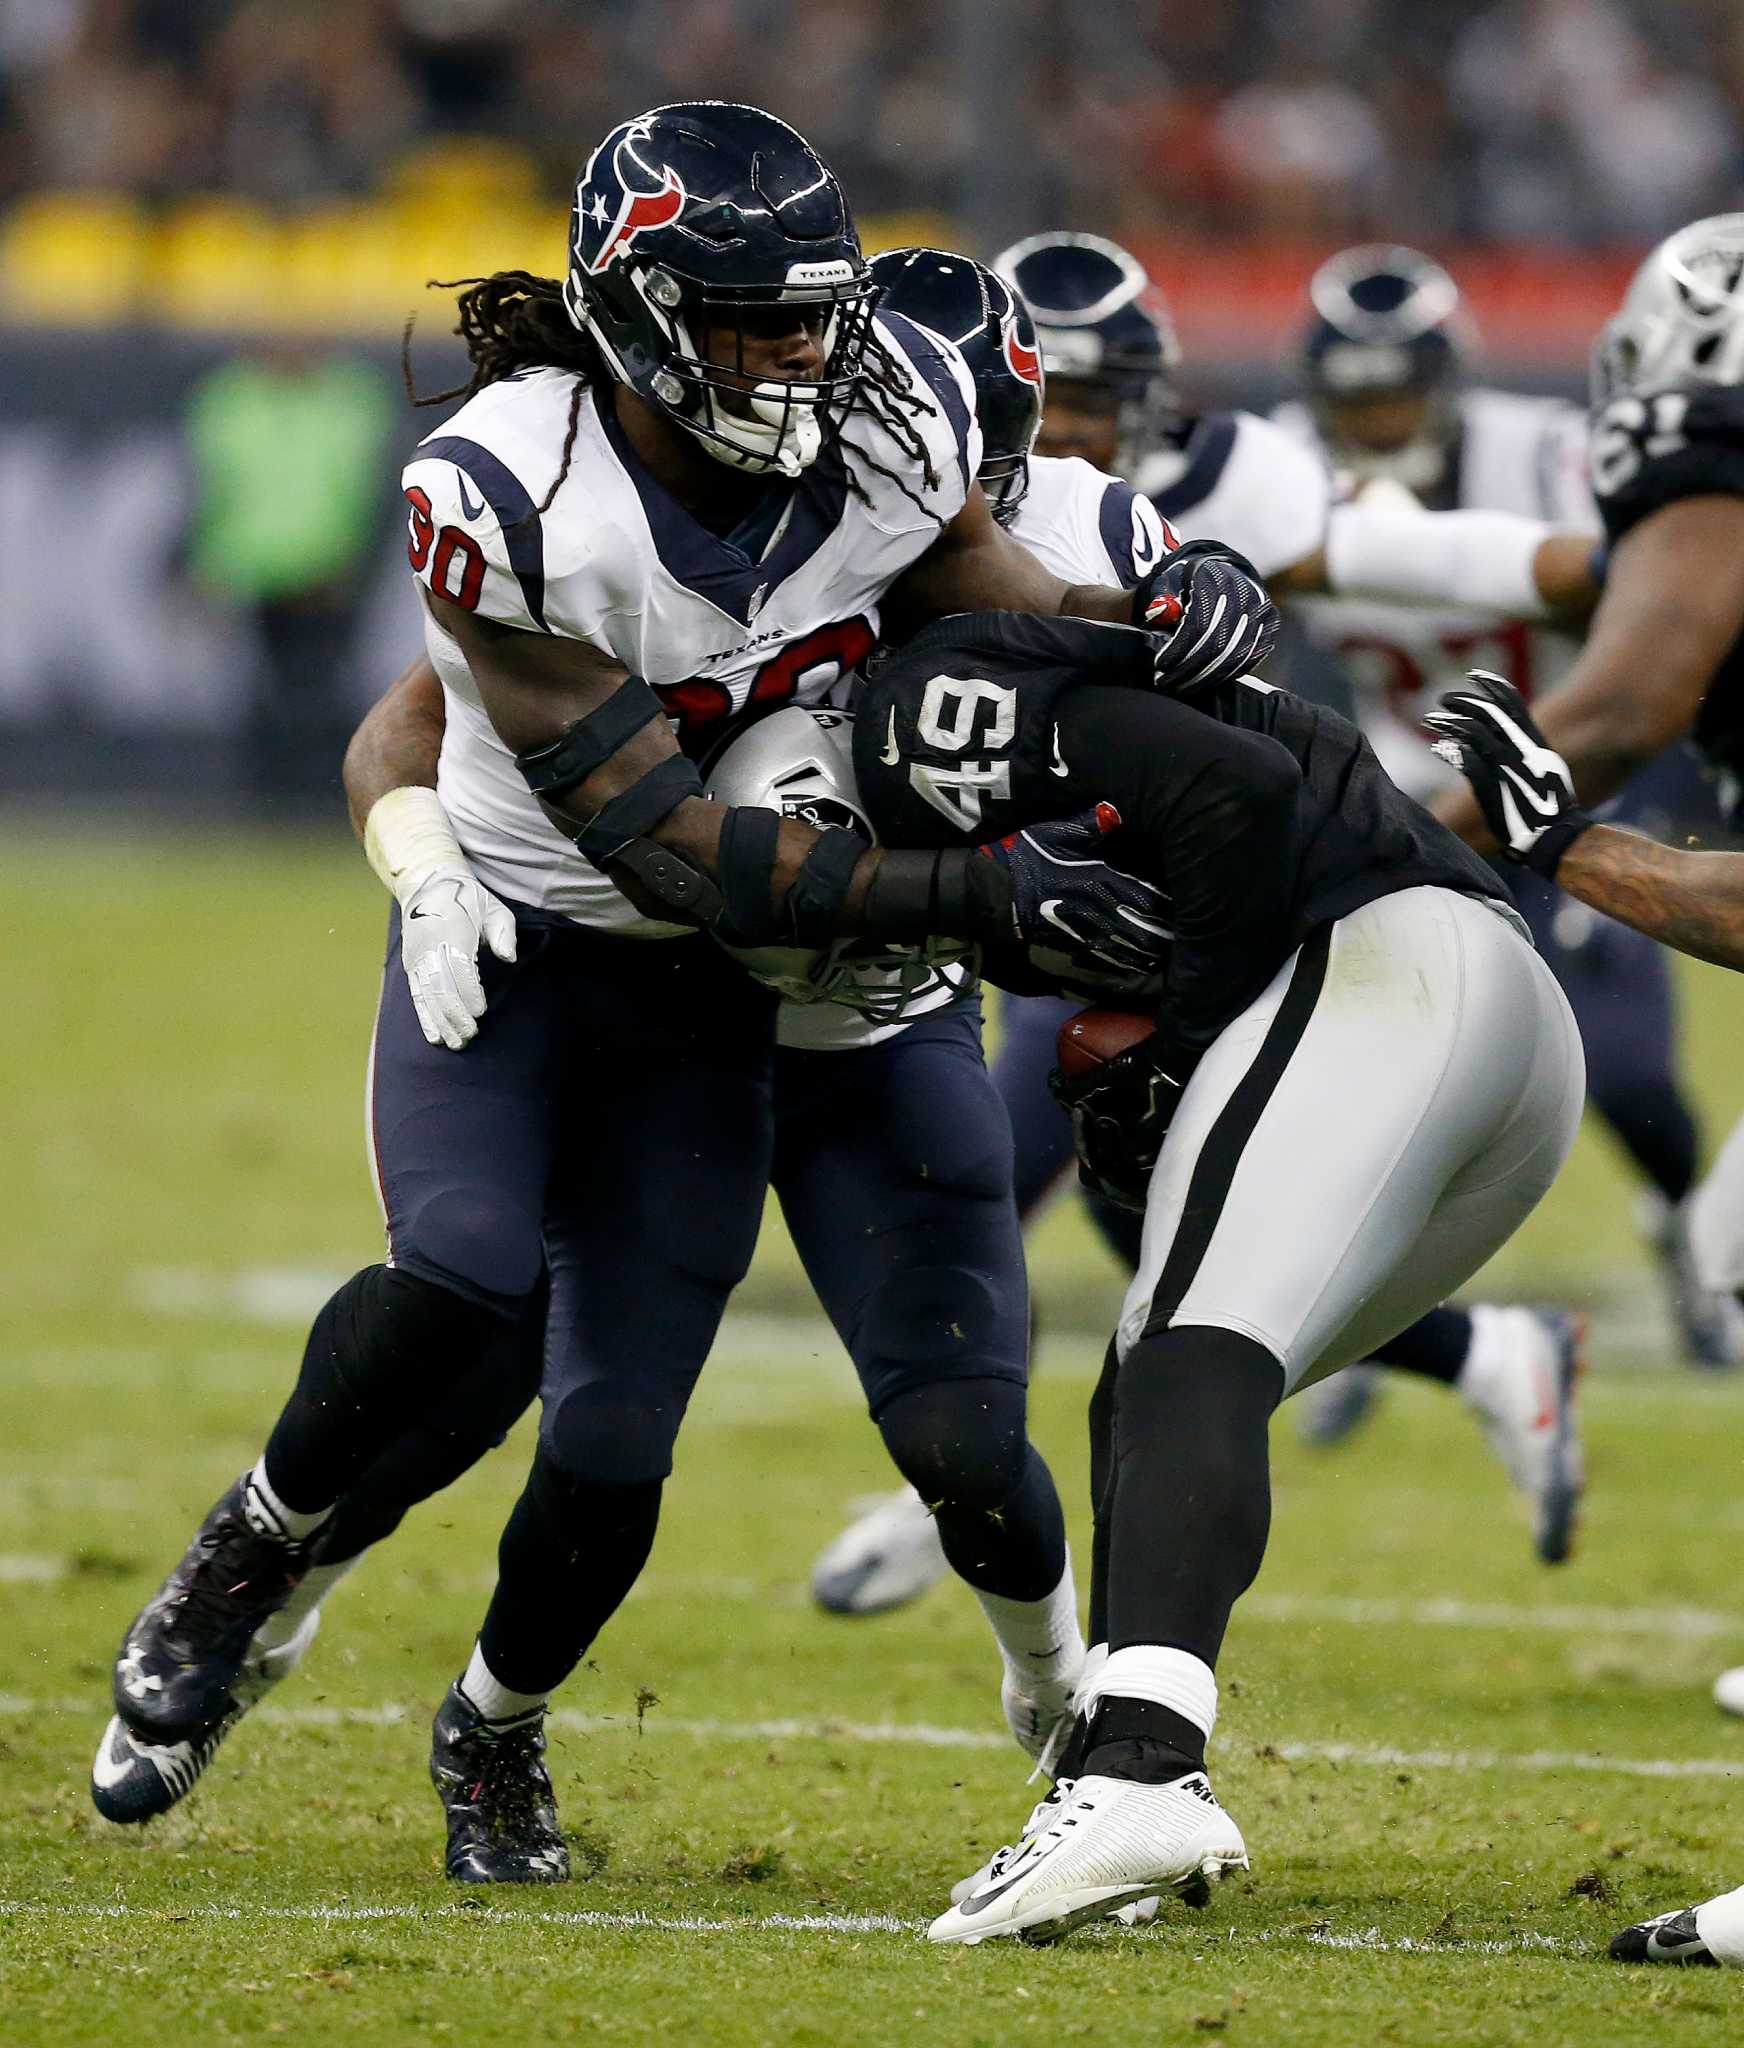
(706, 214)
(1387, 322)
(968, 304)
(1100, 321)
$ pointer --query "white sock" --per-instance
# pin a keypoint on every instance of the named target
(1490, 1352)
(494, 1700)
(267, 1514)
(1175, 1679)
(1040, 1640)
(313, 1587)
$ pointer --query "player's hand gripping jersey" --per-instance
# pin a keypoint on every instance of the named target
(779, 611)
(1649, 449)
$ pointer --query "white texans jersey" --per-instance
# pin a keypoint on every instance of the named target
(1086, 526)
(1234, 477)
(780, 611)
(1515, 454)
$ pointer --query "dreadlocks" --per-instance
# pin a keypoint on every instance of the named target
(513, 320)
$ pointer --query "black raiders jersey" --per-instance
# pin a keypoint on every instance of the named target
(1259, 815)
(1649, 449)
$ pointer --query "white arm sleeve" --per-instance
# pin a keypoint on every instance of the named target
(1479, 559)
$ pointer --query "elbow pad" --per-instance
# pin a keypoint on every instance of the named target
(1481, 559)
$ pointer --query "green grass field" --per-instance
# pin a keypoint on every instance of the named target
(1457, 1773)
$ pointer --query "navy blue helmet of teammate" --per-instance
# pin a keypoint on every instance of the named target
(975, 308)
(704, 217)
(1383, 356)
(1102, 328)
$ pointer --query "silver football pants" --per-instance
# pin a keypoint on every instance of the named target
(1363, 1136)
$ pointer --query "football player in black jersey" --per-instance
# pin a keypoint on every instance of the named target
(1362, 1080)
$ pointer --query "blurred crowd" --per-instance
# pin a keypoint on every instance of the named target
(1561, 121)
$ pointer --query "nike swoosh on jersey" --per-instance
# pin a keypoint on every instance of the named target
(892, 754)
(1057, 766)
(471, 510)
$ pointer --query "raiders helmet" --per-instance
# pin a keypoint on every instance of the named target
(703, 214)
(1100, 320)
(801, 763)
(1386, 322)
(1682, 316)
(975, 308)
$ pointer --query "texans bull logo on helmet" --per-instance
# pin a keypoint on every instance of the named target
(630, 196)
(1024, 361)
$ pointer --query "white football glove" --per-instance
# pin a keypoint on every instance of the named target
(445, 912)
(442, 921)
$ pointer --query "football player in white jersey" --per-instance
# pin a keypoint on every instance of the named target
(686, 484)
(1389, 403)
(1112, 406)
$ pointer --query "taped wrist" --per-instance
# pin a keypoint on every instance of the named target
(959, 894)
(1554, 841)
(591, 741)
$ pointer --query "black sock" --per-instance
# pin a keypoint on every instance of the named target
(1101, 1480)
(1189, 1501)
(1139, 1740)
(571, 1551)
(1434, 1347)
(386, 1345)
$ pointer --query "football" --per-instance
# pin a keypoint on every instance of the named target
(1097, 1035)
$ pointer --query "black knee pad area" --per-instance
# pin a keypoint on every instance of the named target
(960, 1441)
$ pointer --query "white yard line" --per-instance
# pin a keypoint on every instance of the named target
(929, 1735)
(1686, 1624)
(18, 1568)
(1368, 1940)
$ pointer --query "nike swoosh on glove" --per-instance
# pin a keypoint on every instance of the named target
(1121, 1112)
(1210, 614)
(1522, 784)
(1062, 890)
(443, 921)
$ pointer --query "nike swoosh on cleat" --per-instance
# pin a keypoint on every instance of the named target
(471, 510)
(105, 1771)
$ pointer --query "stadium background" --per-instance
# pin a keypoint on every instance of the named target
(214, 220)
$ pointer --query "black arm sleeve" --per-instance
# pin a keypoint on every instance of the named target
(1211, 814)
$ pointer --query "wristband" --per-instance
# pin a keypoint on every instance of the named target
(1547, 850)
(407, 835)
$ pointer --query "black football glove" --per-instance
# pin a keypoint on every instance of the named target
(1063, 895)
(1522, 784)
(1211, 615)
(1121, 1112)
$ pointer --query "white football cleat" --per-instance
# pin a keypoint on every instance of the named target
(1525, 1397)
(135, 1780)
(1709, 1321)
(1710, 1933)
(1111, 1844)
(887, 1556)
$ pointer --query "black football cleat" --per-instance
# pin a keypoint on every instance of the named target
(1669, 1938)
(185, 1650)
(496, 1791)
(134, 1780)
